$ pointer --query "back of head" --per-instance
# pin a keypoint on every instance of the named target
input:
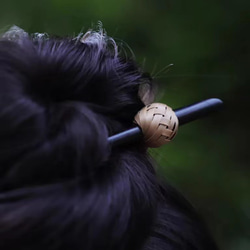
(61, 185)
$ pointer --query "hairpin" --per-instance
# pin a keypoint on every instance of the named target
(157, 123)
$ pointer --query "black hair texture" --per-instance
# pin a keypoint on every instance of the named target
(62, 187)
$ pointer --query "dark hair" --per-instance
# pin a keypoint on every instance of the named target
(61, 185)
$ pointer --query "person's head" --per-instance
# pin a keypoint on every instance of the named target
(62, 187)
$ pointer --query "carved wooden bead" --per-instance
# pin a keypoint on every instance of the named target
(158, 123)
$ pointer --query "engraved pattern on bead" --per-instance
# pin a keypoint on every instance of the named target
(158, 123)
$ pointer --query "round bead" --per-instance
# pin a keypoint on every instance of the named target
(158, 123)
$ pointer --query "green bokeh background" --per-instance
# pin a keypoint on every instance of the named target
(208, 43)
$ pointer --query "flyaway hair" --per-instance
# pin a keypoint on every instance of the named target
(62, 187)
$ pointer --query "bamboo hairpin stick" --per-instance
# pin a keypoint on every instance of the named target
(158, 123)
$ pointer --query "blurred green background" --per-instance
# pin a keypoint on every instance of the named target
(208, 43)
